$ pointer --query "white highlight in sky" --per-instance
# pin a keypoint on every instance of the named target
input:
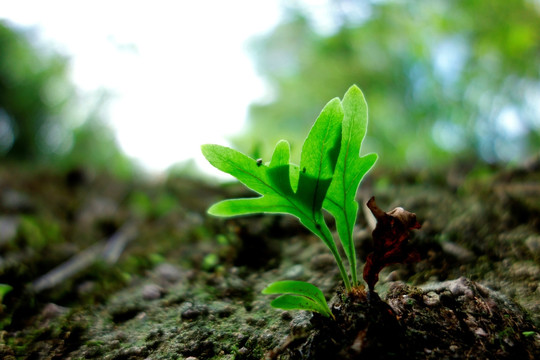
(178, 70)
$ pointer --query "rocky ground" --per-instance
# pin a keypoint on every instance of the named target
(101, 268)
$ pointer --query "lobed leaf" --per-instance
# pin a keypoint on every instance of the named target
(242, 167)
(264, 204)
(350, 169)
(278, 180)
(319, 156)
(279, 168)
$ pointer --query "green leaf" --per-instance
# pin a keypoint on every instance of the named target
(299, 295)
(284, 187)
(295, 302)
(265, 204)
(319, 156)
(233, 162)
(279, 168)
(350, 169)
(273, 182)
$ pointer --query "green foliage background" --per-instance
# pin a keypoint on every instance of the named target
(443, 79)
(43, 118)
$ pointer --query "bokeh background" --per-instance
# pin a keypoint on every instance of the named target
(131, 87)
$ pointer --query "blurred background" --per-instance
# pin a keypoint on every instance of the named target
(131, 87)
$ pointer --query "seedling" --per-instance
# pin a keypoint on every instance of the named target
(328, 178)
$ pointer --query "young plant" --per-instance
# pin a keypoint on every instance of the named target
(328, 177)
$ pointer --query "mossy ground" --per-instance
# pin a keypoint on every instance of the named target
(188, 285)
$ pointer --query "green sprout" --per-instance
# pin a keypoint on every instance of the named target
(328, 178)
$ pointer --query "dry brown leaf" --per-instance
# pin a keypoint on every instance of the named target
(390, 240)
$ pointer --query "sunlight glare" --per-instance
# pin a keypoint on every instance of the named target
(178, 72)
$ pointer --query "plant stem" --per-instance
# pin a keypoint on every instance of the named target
(354, 275)
(352, 260)
(330, 240)
(342, 271)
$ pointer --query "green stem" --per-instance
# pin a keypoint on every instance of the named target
(354, 274)
(330, 240)
(352, 260)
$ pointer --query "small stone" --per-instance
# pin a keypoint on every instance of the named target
(480, 332)
(461, 287)
(152, 292)
(224, 312)
(192, 312)
(169, 273)
(524, 269)
(533, 243)
(51, 311)
(464, 255)
(295, 272)
(133, 351)
(256, 322)
(86, 288)
(191, 358)
(243, 351)
(432, 299)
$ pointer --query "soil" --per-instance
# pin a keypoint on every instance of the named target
(102, 268)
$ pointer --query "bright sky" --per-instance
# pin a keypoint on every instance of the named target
(179, 70)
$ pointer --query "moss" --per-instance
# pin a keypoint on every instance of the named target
(109, 317)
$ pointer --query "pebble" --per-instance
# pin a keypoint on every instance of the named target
(169, 273)
(432, 299)
(86, 288)
(192, 312)
(224, 312)
(533, 243)
(133, 351)
(461, 287)
(524, 270)
(480, 332)
(152, 292)
(51, 311)
(294, 272)
(256, 322)
(464, 255)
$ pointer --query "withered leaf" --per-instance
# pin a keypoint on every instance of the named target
(390, 240)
